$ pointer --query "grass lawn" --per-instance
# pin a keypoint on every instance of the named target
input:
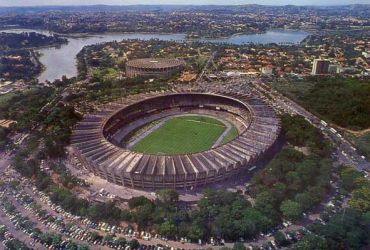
(233, 133)
(182, 135)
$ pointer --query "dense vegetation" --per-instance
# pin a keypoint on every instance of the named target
(345, 102)
(28, 40)
(293, 181)
(102, 90)
(348, 228)
(59, 124)
(19, 64)
(362, 143)
(24, 107)
(354, 183)
(18, 60)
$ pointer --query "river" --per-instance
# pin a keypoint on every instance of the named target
(61, 60)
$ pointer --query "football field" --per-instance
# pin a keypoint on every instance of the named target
(182, 135)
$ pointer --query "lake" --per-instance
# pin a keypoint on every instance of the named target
(61, 60)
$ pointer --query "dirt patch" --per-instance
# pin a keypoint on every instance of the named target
(356, 133)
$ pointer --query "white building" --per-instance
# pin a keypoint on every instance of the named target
(266, 70)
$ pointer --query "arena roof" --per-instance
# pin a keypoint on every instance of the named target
(93, 142)
(155, 63)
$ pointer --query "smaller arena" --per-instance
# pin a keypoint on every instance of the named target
(153, 67)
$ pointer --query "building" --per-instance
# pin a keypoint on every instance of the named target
(333, 69)
(320, 67)
(366, 54)
(95, 139)
(266, 70)
(153, 67)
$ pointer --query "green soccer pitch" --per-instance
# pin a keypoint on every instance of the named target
(184, 135)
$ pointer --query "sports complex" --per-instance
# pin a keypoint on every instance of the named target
(153, 67)
(175, 139)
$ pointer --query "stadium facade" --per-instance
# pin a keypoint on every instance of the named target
(153, 67)
(96, 139)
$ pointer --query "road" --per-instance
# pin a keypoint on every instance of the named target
(5, 160)
(210, 60)
(348, 153)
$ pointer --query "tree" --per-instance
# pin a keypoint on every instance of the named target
(265, 202)
(94, 236)
(280, 239)
(198, 228)
(168, 196)
(167, 228)
(311, 242)
(347, 229)
(348, 177)
(144, 215)
(57, 240)
(239, 246)
(291, 210)
(71, 246)
(121, 242)
(361, 199)
(138, 201)
(304, 200)
(134, 244)
(15, 244)
(109, 238)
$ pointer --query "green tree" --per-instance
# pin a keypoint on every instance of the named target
(311, 242)
(361, 199)
(121, 242)
(291, 210)
(347, 229)
(304, 200)
(168, 196)
(134, 244)
(109, 238)
(72, 246)
(348, 177)
(239, 246)
(280, 239)
(138, 201)
(167, 228)
(57, 240)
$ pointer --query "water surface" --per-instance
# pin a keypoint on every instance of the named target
(61, 60)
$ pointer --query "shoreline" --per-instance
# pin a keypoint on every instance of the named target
(240, 39)
(186, 38)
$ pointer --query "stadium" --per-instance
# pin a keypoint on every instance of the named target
(153, 67)
(175, 139)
